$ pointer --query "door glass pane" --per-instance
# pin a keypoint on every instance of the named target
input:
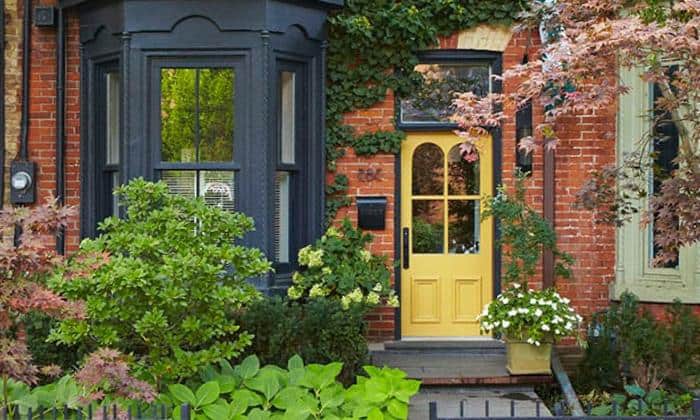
(432, 103)
(464, 233)
(197, 115)
(287, 117)
(428, 170)
(463, 175)
(178, 117)
(112, 111)
(428, 226)
(216, 108)
(281, 217)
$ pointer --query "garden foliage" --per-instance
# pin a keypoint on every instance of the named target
(320, 331)
(525, 234)
(635, 401)
(25, 260)
(339, 266)
(627, 344)
(174, 274)
(300, 391)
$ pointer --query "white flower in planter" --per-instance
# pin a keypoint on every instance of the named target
(512, 312)
(533, 301)
(515, 285)
(523, 310)
(538, 312)
(505, 324)
(545, 327)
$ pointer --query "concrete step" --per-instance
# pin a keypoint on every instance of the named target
(464, 362)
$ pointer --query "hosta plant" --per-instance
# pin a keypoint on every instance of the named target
(250, 391)
(339, 266)
(533, 316)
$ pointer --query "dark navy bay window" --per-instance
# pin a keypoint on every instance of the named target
(219, 99)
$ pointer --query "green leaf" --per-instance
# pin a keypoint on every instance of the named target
(217, 411)
(182, 394)
(288, 398)
(601, 410)
(249, 367)
(207, 394)
(635, 390)
(267, 383)
(397, 408)
(295, 362)
(375, 414)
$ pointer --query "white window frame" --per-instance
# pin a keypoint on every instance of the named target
(634, 271)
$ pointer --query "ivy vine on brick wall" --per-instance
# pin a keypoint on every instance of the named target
(372, 49)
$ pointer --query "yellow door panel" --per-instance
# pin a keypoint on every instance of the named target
(425, 301)
(449, 277)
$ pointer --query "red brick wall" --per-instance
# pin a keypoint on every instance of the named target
(42, 116)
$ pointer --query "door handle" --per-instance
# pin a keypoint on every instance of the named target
(406, 256)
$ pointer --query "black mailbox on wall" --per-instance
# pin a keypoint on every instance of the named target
(371, 213)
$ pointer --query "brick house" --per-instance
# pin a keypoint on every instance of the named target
(89, 102)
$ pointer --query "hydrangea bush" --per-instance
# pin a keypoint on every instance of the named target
(339, 266)
(534, 316)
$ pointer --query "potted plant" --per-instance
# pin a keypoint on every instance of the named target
(530, 321)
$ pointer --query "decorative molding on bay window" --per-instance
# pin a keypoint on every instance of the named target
(634, 271)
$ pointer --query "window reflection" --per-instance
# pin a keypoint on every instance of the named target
(432, 103)
(197, 108)
(463, 175)
(428, 226)
(428, 170)
(464, 233)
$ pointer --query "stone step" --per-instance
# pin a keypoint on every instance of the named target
(461, 346)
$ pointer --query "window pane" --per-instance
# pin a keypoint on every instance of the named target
(281, 218)
(181, 182)
(112, 111)
(218, 188)
(178, 117)
(428, 170)
(433, 102)
(216, 108)
(464, 233)
(463, 175)
(287, 116)
(428, 226)
(665, 151)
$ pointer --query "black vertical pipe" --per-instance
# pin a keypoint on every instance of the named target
(2, 104)
(60, 120)
(26, 61)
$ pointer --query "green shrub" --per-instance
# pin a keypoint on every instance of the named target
(173, 274)
(339, 266)
(626, 343)
(45, 353)
(249, 391)
(637, 402)
(320, 331)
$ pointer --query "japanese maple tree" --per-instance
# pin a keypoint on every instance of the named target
(573, 73)
(26, 256)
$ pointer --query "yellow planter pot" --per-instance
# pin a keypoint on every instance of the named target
(528, 359)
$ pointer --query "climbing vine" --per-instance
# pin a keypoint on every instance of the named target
(372, 49)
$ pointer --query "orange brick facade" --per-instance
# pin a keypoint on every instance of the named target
(587, 143)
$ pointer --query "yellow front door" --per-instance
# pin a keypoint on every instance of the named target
(447, 249)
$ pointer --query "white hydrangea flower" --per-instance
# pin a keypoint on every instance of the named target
(377, 287)
(523, 310)
(545, 327)
(393, 301)
(294, 293)
(515, 285)
(533, 301)
(505, 300)
(520, 295)
(317, 291)
(505, 324)
(373, 298)
(569, 326)
(538, 312)
(345, 301)
(365, 255)
(512, 312)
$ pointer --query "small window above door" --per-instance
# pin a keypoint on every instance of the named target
(445, 74)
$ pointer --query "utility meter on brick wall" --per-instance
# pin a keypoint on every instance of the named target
(22, 182)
